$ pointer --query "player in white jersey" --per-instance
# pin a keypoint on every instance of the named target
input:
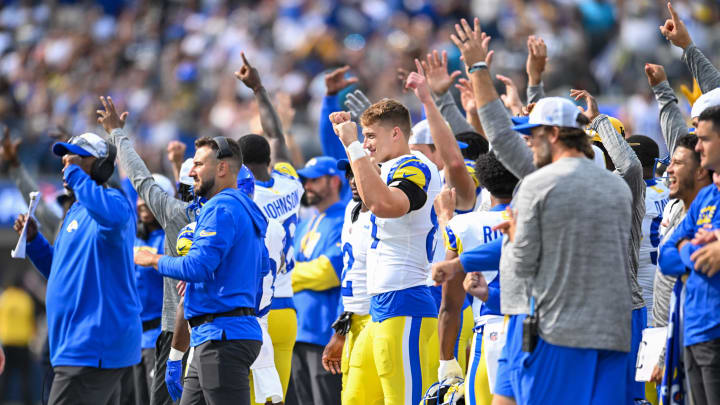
(355, 242)
(277, 192)
(465, 232)
(656, 197)
(390, 362)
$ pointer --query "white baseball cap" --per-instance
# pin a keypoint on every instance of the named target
(709, 99)
(421, 135)
(87, 144)
(552, 111)
(164, 184)
(185, 173)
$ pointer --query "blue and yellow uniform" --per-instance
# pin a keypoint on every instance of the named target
(150, 286)
(316, 276)
(391, 360)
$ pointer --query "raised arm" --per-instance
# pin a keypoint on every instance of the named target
(269, 119)
(440, 81)
(107, 206)
(672, 122)
(511, 149)
(176, 156)
(534, 67)
(335, 81)
(456, 174)
(163, 206)
(702, 70)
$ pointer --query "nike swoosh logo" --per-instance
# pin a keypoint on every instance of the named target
(405, 175)
(206, 233)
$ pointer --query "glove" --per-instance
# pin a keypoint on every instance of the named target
(449, 371)
(173, 379)
(357, 102)
(342, 324)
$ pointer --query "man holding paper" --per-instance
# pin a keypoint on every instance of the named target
(93, 310)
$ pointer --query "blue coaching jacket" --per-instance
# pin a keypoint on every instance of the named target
(702, 294)
(93, 310)
(316, 276)
(150, 286)
(223, 266)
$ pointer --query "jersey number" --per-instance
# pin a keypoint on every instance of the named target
(348, 260)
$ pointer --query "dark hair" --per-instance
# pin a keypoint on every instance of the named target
(494, 176)
(255, 149)
(236, 157)
(388, 112)
(711, 114)
(576, 138)
(689, 141)
(477, 145)
(645, 148)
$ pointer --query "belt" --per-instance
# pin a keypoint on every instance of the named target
(151, 324)
(207, 318)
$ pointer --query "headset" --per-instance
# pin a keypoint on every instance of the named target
(223, 147)
(104, 167)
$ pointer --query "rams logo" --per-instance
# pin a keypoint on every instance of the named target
(72, 226)
(414, 170)
(185, 239)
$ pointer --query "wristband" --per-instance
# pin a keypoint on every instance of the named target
(175, 354)
(477, 66)
(355, 151)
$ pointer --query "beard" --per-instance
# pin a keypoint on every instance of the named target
(312, 198)
(205, 188)
(542, 156)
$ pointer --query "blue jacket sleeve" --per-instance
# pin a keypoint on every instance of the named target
(482, 258)
(107, 206)
(211, 243)
(493, 301)
(41, 254)
(331, 145)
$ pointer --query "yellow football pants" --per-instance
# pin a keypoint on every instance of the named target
(477, 387)
(390, 362)
(282, 327)
(357, 324)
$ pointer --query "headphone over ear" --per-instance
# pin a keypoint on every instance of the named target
(103, 168)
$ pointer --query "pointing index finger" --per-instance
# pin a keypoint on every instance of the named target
(245, 61)
(673, 14)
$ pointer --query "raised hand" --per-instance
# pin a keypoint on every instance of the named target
(417, 82)
(401, 76)
(32, 229)
(437, 74)
(467, 97)
(357, 102)
(109, 118)
(511, 98)
(472, 42)
(674, 30)
(249, 75)
(655, 74)
(591, 111)
(445, 203)
(176, 152)
(536, 60)
(335, 81)
(343, 126)
(9, 148)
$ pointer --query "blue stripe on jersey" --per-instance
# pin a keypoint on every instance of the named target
(655, 231)
(373, 232)
(430, 240)
(415, 369)
(408, 163)
(475, 360)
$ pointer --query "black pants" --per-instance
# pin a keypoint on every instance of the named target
(88, 385)
(159, 394)
(142, 376)
(313, 385)
(17, 360)
(702, 366)
(218, 373)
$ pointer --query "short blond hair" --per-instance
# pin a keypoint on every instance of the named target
(388, 112)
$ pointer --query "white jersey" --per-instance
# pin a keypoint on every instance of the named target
(355, 242)
(279, 199)
(402, 248)
(275, 244)
(468, 231)
(656, 198)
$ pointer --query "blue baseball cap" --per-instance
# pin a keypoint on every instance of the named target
(318, 167)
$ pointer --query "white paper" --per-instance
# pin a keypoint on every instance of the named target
(653, 341)
(19, 251)
(493, 340)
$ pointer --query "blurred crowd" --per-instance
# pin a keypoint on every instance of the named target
(169, 63)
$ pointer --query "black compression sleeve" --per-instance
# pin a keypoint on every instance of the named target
(415, 194)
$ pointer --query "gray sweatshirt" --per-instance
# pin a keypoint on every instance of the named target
(535, 93)
(701, 68)
(627, 166)
(672, 122)
(452, 114)
(171, 213)
(593, 325)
